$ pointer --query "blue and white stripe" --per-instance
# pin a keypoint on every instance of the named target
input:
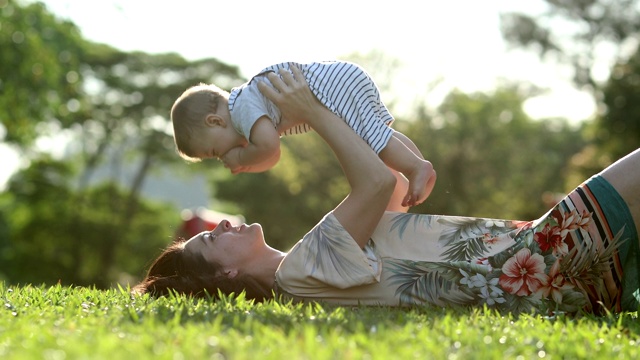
(349, 92)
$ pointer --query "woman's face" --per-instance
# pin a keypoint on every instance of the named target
(231, 247)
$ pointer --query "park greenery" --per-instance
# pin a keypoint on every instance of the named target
(58, 224)
(60, 322)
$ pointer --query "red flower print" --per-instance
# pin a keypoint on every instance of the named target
(571, 220)
(520, 274)
(544, 238)
(553, 284)
(550, 237)
(489, 239)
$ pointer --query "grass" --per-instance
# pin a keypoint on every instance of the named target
(57, 322)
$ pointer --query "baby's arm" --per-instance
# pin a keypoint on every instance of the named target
(260, 154)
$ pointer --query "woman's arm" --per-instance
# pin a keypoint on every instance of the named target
(371, 181)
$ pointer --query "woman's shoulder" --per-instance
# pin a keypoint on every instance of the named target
(326, 255)
(328, 229)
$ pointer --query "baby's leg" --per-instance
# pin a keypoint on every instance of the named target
(408, 143)
(397, 155)
(399, 193)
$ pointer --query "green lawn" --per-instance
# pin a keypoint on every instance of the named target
(39, 322)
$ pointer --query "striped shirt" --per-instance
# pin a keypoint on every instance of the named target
(343, 87)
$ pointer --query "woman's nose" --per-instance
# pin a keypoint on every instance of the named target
(225, 225)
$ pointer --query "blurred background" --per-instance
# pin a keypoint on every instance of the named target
(514, 104)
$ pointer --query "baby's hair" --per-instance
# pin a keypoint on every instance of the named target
(188, 114)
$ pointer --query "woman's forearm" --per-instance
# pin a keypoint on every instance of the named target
(362, 166)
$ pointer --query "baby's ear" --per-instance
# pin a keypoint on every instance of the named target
(214, 120)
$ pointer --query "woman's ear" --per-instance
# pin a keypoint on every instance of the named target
(214, 120)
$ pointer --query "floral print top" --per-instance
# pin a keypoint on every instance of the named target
(573, 258)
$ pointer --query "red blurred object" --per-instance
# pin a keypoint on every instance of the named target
(203, 219)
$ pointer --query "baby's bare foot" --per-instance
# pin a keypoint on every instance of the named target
(419, 185)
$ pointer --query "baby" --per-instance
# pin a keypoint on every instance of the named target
(243, 128)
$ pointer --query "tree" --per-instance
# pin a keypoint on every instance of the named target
(117, 105)
(577, 33)
(51, 241)
(40, 74)
(128, 118)
(618, 129)
(492, 159)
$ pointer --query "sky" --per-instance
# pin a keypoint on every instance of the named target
(457, 41)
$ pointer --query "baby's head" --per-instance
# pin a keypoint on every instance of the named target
(188, 116)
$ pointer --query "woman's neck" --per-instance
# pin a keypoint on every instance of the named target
(265, 273)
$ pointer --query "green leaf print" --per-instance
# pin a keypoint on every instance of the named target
(572, 301)
(465, 250)
(461, 228)
(520, 304)
(471, 238)
(421, 282)
(402, 221)
(586, 263)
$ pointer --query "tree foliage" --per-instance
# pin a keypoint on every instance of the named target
(39, 70)
(493, 160)
(116, 105)
(60, 234)
(575, 31)
(618, 129)
(578, 33)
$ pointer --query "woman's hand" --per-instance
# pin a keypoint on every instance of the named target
(291, 94)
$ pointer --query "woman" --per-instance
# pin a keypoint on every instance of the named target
(582, 254)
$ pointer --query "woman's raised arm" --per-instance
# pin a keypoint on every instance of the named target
(371, 181)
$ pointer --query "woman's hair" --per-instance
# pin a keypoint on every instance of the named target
(188, 113)
(177, 271)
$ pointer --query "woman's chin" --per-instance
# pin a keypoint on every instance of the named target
(256, 229)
